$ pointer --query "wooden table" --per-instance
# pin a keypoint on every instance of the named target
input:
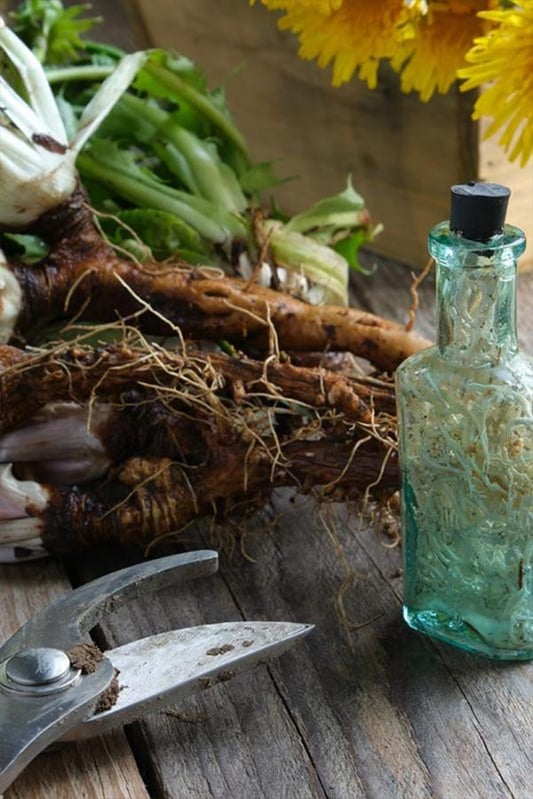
(362, 708)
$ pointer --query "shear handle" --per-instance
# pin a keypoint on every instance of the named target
(28, 724)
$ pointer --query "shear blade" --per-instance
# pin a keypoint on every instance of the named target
(157, 671)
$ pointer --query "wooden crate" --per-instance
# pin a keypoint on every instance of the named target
(403, 155)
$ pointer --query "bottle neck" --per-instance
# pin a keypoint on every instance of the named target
(476, 295)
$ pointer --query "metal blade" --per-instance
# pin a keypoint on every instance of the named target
(157, 671)
(65, 622)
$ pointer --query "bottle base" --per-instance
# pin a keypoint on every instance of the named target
(455, 631)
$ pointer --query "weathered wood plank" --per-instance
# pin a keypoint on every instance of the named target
(376, 713)
(99, 769)
(397, 710)
(497, 696)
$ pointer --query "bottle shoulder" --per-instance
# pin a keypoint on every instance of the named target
(428, 372)
(420, 360)
(421, 365)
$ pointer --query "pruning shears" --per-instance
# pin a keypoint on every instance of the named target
(49, 694)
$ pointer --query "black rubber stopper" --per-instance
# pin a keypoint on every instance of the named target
(478, 209)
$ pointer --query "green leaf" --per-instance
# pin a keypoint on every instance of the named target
(349, 249)
(29, 249)
(172, 77)
(132, 120)
(124, 172)
(197, 164)
(111, 155)
(68, 115)
(344, 210)
(260, 177)
(52, 31)
(161, 232)
(179, 65)
(102, 52)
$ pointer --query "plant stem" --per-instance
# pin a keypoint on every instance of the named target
(200, 102)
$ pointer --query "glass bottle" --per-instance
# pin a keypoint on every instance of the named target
(465, 421)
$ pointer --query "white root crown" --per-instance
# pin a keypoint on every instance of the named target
(37, 162)
(18, 528)
(62, 431)
(10, 300)
(17, 495)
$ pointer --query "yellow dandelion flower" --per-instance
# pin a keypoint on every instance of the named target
(352, 35)
(503, 59)
(438, 48)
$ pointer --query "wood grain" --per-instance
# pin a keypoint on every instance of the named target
(486, 707)
(397, 710)
(373, 712)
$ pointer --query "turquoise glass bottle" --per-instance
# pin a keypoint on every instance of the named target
(465, 423)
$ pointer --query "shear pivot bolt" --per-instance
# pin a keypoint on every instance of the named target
(40, 666)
